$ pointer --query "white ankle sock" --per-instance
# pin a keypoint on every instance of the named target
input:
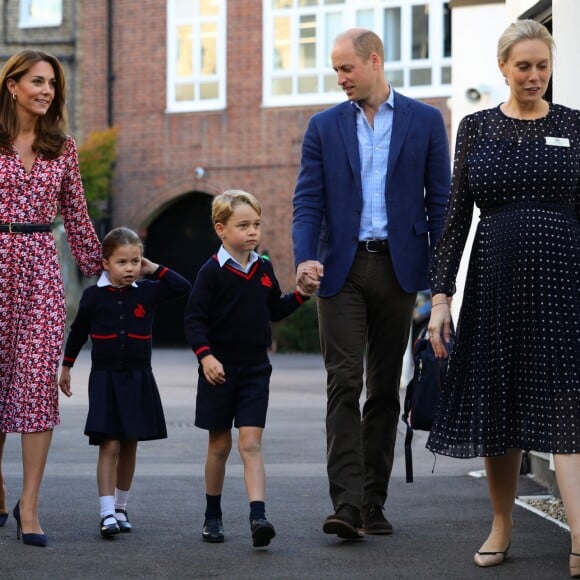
(107, 503)
(121, 497)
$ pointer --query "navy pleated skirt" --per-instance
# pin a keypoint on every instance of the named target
(124, 404)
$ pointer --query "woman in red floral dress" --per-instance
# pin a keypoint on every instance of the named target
(39, 177)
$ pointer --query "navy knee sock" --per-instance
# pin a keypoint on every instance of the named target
(213, 507)
(257, 510)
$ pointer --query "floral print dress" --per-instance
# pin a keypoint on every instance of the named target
(32, 298)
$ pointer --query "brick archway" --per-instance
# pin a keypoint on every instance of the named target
(181, 237)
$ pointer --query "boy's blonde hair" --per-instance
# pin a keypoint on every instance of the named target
(223, 205)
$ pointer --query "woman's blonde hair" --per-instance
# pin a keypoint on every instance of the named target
(223, 205)
(523, 30)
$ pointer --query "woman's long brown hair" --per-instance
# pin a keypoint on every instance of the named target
(50, 128)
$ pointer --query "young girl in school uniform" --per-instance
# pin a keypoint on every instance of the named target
(124, 402)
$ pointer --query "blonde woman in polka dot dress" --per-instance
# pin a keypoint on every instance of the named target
(39, 177)
(513, 380)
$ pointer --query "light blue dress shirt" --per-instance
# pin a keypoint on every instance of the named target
(374, 144)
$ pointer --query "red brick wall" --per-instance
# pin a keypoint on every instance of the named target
(244, 146)
(92, 66)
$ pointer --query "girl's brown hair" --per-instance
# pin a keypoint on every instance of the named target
(120, 237)
(50, 128)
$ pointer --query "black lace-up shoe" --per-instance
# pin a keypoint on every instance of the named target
(374, 521)
(346, 523)
(262, 532)
(213, 530)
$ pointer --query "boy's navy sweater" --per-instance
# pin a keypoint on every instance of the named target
(229, 312)
(119, 321)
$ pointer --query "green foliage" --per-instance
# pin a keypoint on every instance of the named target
(97, 164)
(299, 332)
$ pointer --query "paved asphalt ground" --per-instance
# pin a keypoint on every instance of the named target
(439, 520)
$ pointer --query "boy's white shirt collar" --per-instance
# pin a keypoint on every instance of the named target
(104, 280)
(223, 256)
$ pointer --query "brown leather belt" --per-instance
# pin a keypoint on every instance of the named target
(24, 228)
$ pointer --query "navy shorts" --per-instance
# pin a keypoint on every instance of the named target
(241, 400)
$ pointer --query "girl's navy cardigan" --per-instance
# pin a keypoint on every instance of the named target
(119, 321)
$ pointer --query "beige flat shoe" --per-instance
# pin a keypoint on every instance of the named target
(487, 559)
(574, 565)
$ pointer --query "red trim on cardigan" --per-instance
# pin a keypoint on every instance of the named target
(299, 298)
(247, 276)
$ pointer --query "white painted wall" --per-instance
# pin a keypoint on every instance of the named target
(566, 19)
(475, 31)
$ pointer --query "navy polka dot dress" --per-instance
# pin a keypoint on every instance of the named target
(513, 376)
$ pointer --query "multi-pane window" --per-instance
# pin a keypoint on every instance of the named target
(40, 13)
(298, 38)
(196, 55)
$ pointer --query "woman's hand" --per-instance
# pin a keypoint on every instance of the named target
(439, 326)
(64, 381)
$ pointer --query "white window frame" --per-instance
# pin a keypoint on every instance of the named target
(174, 106)
(349, 9)
(43, 21)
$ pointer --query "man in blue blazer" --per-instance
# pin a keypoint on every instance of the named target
(368, 208)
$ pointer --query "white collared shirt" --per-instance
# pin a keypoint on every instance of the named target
(104, 280)
(224, 257)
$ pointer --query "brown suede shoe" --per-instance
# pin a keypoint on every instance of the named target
(346, 523)
(374, 521)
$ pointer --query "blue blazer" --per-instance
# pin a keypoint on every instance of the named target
(328, 195)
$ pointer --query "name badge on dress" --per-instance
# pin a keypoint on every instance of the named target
(558, 141)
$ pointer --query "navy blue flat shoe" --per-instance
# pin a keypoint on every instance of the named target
(124, 525)
(111, 529)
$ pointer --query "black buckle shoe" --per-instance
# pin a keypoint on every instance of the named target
(213, 531)
(374, 521)
(346, 523)
(262, 532)
(111, 529)
(124, 525)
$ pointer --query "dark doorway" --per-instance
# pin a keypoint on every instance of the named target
(181, 238)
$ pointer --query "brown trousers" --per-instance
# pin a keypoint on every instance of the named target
(364, 332)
